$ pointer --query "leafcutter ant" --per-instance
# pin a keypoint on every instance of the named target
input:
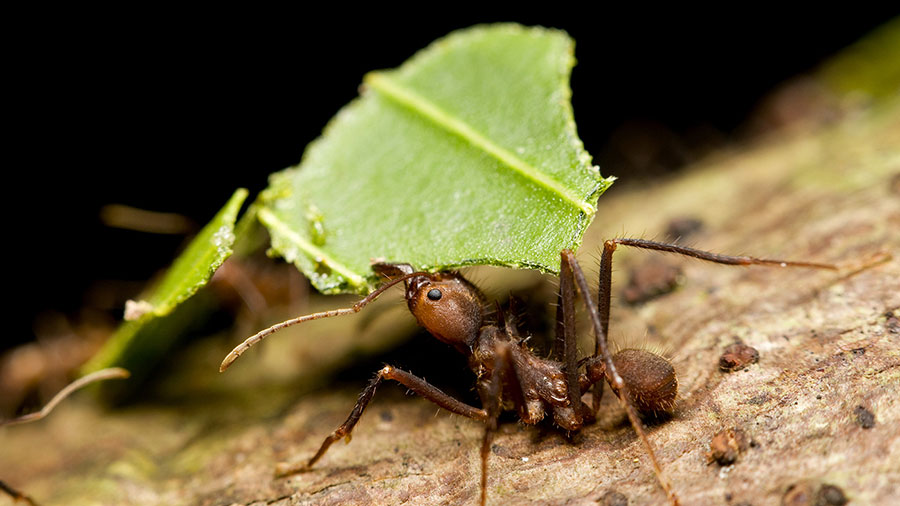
(508, 373)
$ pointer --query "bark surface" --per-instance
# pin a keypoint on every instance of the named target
(827, 342)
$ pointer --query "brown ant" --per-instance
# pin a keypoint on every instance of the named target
(509, 374)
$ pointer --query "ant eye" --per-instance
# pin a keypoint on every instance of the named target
(434, 294)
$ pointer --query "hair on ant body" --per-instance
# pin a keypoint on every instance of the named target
(508, 373)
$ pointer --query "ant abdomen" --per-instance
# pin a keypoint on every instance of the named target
(652, 384)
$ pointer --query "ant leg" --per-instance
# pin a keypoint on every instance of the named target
(605, 284)
(490, 392)
(489, 429)
(414, 383)
(612, 374)
(565, 346)
(15, 494)
(609, 247)
(601, 324)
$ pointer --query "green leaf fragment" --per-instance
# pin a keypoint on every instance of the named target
(190, 272)
(467, 154)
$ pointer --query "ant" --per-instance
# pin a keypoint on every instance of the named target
(509, 374)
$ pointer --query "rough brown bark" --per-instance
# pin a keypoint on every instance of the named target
(827, 345)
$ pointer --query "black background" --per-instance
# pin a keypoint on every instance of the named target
(171, 111)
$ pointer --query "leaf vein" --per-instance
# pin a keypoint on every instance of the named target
(272, 221)
(425, 107)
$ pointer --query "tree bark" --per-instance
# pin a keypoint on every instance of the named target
(820, 407)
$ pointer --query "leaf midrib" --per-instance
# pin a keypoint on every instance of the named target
(409, 98)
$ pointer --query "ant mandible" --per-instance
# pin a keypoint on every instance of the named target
(507, 371)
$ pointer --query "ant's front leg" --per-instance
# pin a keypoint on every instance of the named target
(565, 346)
(414, 383)
(491, 389)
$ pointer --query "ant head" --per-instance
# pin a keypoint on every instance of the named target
(448, 306)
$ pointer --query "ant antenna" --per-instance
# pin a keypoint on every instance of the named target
(259, 336)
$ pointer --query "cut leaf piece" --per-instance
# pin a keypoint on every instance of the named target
(467, 154)
(148, 333)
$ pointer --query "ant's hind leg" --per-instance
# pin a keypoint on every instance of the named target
(414, 383)
(609, 247)
(571, 268)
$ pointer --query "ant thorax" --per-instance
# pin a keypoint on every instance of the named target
(533, 386)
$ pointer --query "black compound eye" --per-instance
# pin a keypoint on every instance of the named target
(434, 294)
